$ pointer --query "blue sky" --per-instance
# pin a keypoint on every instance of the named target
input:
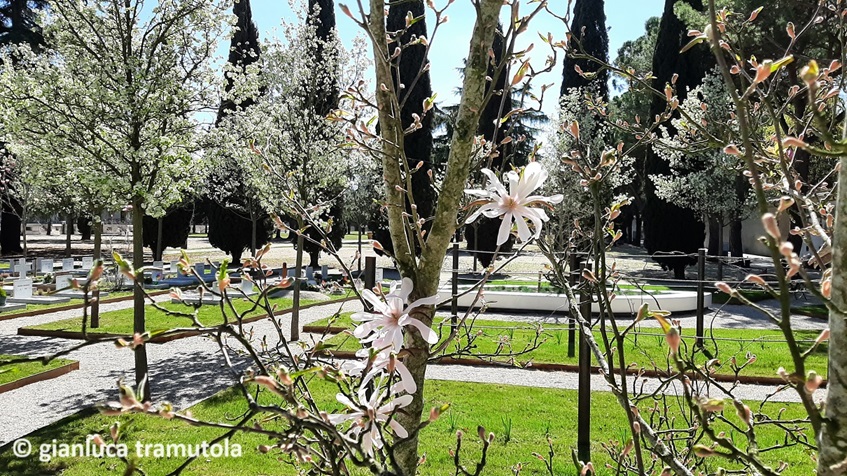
(624, 18)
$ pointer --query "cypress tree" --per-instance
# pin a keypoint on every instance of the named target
(17, 27)
(235, 219)
(588, 27)
(667, 227)
(323, 99)
(481, 237)
(418, 144)
(176, 224)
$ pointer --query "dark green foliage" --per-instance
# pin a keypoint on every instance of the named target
(17, 22)
(175, 228)
(589, 30)
(667, 227)
(17, 26)
(322, 17)
(233, 232)
(85, 226)
(417, 145)
(481, 237)
(229, 217)
(633, 102)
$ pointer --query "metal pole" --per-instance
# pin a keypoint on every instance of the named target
(583, 439)
(572, 278)
(370, 276)
(360, 251)
(701, 278)
(454, 306)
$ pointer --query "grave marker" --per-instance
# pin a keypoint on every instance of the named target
(23, 268)
(22, 289)
(46, 266)
(87, 263)
(67, 264)
(63, 282)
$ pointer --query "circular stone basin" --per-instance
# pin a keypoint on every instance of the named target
(627, 302)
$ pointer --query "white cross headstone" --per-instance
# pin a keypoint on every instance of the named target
(246, 286)
(22, 289)
(47, 266)
(68, 264)
(63, 282)
(23, 268)
(87, 262)
(324, 272)
(380, 274)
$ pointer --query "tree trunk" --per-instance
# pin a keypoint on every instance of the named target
(138, 299)
(832, 446)
(24, 218)
(314, 256)
(637, 228)
(295, 313)
(69, 231)
(159, 247)
(714, 236)
(736, 245)
(253, 232)
(98, 255)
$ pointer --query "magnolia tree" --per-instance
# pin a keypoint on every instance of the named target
(120, 86)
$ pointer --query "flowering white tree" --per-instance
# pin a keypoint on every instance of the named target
(704, 177)
(120, 86)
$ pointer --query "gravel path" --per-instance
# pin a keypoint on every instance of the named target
(183, 372)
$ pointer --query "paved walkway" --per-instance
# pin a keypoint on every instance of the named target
(188, 370)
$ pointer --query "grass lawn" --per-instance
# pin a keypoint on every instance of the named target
(818, 311)
(120, 322)
(520, 417)
(645, 349)
(10, 373)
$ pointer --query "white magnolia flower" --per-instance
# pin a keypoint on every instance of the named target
(367, 414)
(383, 362)
(383, 328)
(515, 203)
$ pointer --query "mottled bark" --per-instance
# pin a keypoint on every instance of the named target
(425, 273)
(832, 443)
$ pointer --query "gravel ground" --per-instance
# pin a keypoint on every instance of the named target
(183, 371)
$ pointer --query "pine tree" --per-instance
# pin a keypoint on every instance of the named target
(589, 30)
(17, 27)
(417, 145)
(667, 227)
(236, 220)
